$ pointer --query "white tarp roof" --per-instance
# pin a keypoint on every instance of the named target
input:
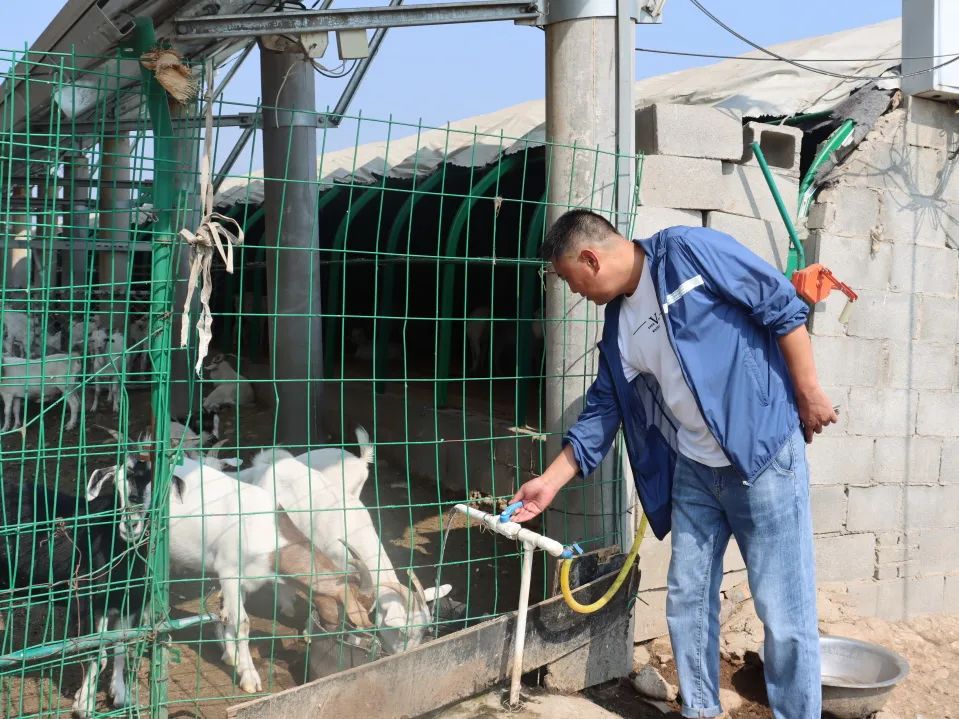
(755, 88)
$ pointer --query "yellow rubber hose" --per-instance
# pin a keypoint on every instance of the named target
(614, 587)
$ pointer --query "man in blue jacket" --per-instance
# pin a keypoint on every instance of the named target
(706, 364)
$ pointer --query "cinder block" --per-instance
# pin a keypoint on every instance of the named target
(927, 122)
(937, 550)
(884, 315)
(949, 468)
(837, 460)
(768, 240)
(650, 220)
(858, 261)
(732, 579)
(780, 145)
(920, 365)
(845, 210)
(898, 570)
(907, 460)
(938, 412)
(684, 183)
(882, 412)
(654, 563)
(908, 218)
(824, 317)
(849, 361)
(931, 507)
(845, 557)
(938, 319)
(689, 131)
(873, 509)
(950, 599)
(746, 193)
(930, 270)
(895, 547)
(897, 599)
(828, 508)
(650, 612)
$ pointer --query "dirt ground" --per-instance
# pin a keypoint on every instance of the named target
(930, 691)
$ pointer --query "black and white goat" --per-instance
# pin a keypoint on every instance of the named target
(94, 563)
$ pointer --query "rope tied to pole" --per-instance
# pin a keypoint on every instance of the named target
(210, 234)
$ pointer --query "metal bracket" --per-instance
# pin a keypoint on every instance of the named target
(290, 118)
(553, 11)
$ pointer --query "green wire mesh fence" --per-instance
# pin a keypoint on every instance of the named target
(422, 322)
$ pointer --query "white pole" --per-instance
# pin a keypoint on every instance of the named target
(519, 638)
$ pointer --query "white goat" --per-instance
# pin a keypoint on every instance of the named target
(22, 378)
(222, 527)
(137, 333)
(107, 366)
(22, 335)
(231, 389)
(320, 490)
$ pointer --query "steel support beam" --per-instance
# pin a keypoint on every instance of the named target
(297, 22)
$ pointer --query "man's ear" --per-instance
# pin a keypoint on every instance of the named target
(590, 259)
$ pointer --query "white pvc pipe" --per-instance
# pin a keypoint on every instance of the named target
(519, 639)
(531, 541)
(513, 530)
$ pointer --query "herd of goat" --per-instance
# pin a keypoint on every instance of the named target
(296, 523)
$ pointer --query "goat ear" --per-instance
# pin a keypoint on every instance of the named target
(433, 593)
(99, 478)
(178, 485)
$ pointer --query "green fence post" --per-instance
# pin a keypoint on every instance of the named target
(161, 298)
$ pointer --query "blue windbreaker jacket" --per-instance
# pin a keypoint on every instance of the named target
(724, 309)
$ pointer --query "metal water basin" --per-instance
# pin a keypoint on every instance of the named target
(857, 676)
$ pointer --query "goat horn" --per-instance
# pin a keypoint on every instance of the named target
(420, 592)
(366, 579)
(113, 433)
(215, 449)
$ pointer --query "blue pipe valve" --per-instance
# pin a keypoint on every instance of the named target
(568, 553)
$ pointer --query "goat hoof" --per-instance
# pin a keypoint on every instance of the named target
(250, 682)
(119, 695)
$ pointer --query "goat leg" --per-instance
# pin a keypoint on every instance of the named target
(85, 700)
(237, 652)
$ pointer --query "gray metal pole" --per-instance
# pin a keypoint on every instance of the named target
(114, 223)
(291, 234)
(18, 262)
(581, 111)
(77, 194)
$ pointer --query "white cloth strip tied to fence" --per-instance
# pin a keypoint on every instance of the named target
(210, 233)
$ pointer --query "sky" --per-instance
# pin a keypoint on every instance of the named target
(445, 73)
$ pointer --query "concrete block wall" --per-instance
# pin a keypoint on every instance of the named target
(885, 480)
(698, 160)
(885, 497)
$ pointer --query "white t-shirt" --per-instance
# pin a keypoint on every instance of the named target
(645, 348)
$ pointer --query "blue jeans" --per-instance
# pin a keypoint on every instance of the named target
(771, 521)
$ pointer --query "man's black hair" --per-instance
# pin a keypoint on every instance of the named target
(572, 227)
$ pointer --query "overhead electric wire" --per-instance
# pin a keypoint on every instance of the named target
(684, 53)
(808, 68)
